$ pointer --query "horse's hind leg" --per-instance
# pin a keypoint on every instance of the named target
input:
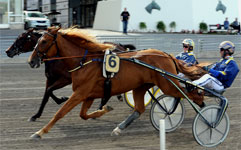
(138, 95)
(119, 97)
(98, 113)
(74, 100)
(60, 83)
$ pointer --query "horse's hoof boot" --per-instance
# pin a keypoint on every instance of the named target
(116, 131)
(32, 119)
(35, 136)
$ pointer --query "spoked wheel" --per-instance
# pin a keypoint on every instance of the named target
(158, 92)
(172, 121)
(128, 97)
(206, 135)
(211, 100)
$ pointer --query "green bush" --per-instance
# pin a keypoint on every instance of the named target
(172, 25)
(142, 25)
(161, 26)
(203, 27)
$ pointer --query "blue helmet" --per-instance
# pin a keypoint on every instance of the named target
(227, 45)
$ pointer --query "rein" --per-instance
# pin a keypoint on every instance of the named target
(59, 58)
(91, 55)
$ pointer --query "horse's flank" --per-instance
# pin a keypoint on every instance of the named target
(84, 40)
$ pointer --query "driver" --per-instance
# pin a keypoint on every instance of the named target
(222, 74)
(187, 55)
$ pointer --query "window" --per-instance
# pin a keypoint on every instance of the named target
(3, 11)
(16, 11)
(37, 15)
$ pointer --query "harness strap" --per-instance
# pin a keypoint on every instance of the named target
(90, 61)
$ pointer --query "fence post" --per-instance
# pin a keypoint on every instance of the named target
(162, 134)
(200, 46)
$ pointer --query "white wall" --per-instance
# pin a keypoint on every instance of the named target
(205, 10)
(107, 15)
(171, 10)
(186, 13)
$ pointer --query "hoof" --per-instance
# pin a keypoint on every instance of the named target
(32, 119)
(120, 98)
(116, 131)
(64, 99)
(108, 108)
(35, 136)
(61, 100)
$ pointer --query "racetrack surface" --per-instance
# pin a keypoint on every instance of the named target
(22, 89)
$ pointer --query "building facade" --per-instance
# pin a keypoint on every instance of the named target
(187, 14)
(82, 12)
(11, 14)
(72, 12)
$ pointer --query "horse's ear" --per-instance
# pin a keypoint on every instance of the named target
(30, 30)
(53, 30)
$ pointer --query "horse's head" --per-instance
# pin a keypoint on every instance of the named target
(45, 48)
(24, 43)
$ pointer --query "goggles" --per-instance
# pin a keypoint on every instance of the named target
(222, 49)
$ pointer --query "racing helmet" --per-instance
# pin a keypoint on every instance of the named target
(227, 45)
(190, 43)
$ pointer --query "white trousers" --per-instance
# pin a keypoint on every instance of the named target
(210, 82)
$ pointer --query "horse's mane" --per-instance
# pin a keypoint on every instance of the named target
(191, 72)
(84, 40)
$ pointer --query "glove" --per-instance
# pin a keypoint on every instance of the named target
(206, 68)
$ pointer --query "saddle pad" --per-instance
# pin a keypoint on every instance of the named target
(111, 64)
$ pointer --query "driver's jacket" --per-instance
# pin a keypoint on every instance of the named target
(225, 71)
(188, 58)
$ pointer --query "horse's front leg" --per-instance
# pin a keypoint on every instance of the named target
(41, 108)
(98, 113)
(74, 100)
(138, 95)
(50, 87)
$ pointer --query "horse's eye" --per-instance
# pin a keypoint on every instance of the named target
(44, 41)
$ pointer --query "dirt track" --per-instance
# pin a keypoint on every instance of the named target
(21, 92)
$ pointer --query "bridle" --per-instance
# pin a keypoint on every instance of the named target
(18, 46)
(43, 54)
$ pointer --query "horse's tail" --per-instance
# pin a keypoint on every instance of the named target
(191, 72)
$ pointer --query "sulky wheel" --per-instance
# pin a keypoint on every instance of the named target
(210, 136)
(128, 97)
(172, 121)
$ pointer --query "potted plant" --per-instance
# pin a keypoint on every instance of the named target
(142, 25)
(172, 25)
(203, 27)
(161, 26)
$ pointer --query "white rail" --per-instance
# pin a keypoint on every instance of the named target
(162, 134)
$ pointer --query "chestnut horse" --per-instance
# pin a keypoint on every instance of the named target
(88, 81)
(56, 77)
